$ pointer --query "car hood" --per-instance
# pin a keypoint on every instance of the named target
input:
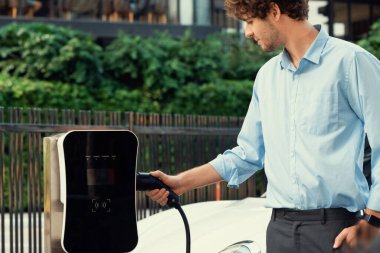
(213, 226)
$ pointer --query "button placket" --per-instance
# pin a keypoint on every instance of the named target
(297, 82)
(293, 172)
(292, 133)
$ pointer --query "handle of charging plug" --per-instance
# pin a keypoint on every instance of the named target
(145, 182)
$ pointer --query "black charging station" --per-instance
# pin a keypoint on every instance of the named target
(98, 184)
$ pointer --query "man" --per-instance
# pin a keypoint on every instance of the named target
(306, 119)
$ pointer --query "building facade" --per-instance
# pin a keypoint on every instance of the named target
(354, 17)
(349, 19)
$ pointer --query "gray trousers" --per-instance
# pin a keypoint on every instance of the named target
(311, 231)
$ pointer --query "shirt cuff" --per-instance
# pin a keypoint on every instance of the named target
(219, 165)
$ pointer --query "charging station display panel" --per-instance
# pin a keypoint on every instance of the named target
(100, 191)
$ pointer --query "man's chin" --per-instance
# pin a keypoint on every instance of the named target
(267, 49)
(264, 47)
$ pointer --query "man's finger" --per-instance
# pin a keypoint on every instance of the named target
(159, 174)
(159, 195)
(164, 199)
(151, 193)
(164, 202)
(340, 238)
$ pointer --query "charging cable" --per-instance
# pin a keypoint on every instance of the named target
(145, 182)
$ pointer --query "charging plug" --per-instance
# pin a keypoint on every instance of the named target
(145, 182)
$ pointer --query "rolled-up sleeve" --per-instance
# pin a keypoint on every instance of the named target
(364, 87)
(238, 164)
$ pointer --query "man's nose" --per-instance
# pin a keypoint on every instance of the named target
(248, 32)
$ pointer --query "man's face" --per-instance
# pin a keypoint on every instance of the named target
(264, 33)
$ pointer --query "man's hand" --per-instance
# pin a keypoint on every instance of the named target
(359, 235)
(161, 195)
(190, 179)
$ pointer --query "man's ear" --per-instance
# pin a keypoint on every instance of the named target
(274, 11)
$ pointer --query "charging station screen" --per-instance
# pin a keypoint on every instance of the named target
(100, 183)
(101, 169)
(100, 176)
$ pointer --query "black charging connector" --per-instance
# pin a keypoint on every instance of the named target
(145, 182)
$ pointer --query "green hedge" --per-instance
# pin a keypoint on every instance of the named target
(163, 62)
(23, 92)
(372, 42)
(62, 68)
(219, 98)
(47, 66)
(48, 52)
(162, 65)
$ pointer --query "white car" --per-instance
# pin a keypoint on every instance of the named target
(216, 226)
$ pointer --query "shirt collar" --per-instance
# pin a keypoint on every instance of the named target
(314, 53)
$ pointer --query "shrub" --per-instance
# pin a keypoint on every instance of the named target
(372, 42)
(219, 98)
(48, 52)
(22, 92)
(152, 74)
(120, 98)
(161, 63)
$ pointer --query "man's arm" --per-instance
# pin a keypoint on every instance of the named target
(234, 166)
(199, 176)
(363, 93)
(372, 212)
(183, 182)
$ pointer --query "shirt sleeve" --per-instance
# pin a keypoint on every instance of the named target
(364, 87)
(238, 164)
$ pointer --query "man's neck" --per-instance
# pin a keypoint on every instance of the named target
(299, 37)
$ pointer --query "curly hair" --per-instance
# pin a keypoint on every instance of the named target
(246, 9)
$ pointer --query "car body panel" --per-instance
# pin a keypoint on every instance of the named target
(214, 225)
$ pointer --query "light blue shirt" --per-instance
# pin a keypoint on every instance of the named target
(308, 126)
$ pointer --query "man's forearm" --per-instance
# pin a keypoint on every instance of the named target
(372, 212)
(199, 176)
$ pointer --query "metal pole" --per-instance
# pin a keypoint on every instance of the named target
(212, 10)
(51, 9)
(194, 12)
(371, 12)
(331, 17)
(178, 12)
(350, 34)
(20, 8)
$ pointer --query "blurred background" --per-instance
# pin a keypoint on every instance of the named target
(348, 19)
